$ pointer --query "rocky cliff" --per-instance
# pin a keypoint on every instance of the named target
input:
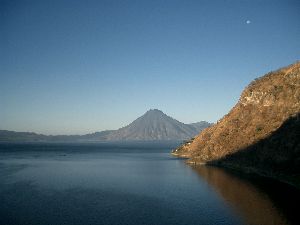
(260, 133)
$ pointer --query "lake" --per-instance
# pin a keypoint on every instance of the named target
(131, 183)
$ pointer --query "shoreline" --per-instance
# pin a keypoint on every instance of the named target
(243, 170)
(251, 171)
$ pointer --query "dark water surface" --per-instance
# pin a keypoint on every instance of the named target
(138, 183)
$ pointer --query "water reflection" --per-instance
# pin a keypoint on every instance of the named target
(258, 201)
(67, 184)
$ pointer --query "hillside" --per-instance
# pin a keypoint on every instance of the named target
(200, 125)
(153, 125)
(260, 133)
(12, 136)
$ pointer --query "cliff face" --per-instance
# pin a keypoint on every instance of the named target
(264, 106)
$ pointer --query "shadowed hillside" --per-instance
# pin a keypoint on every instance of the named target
(260, 133)
(276, 155)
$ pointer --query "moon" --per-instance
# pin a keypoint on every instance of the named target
(248, 21)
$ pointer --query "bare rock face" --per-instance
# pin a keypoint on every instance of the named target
(263, 108)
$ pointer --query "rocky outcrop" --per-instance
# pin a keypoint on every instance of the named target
(264, 106)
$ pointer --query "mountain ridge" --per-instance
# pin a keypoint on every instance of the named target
(153, 125)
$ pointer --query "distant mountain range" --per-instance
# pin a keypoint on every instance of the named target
(153, 125)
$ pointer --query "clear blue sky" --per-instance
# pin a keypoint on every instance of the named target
(71, 67)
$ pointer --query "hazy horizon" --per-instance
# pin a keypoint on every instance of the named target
(107, 130)
(98, 65)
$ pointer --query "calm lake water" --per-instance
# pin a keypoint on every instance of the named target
(132, 183)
